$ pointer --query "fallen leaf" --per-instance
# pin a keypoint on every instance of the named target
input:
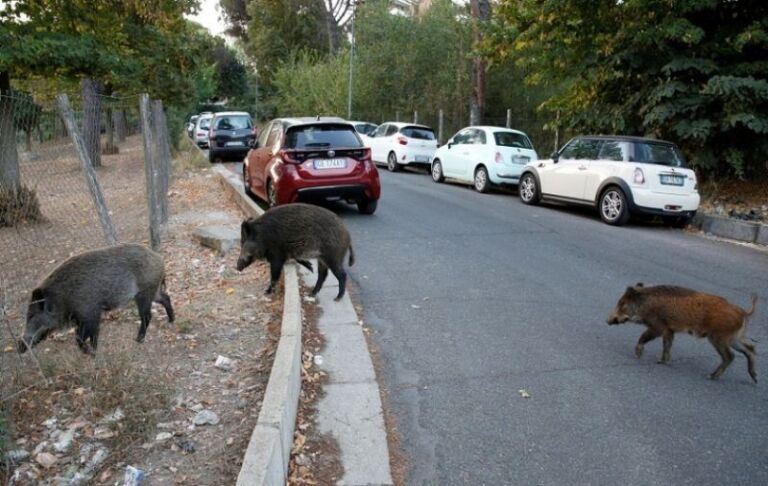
(524, 393)
(230, 291)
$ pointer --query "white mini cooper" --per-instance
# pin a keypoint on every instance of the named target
(620, 176)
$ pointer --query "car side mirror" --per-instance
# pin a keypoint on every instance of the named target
(450, 144)
(555, 157)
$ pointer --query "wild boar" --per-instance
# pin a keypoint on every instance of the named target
(665, 310)
(297, 231)
(85, 285)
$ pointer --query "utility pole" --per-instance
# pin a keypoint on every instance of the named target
(351, 58)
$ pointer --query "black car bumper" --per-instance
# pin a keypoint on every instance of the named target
(355, 192)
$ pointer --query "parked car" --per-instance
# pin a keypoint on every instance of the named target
(230, 135)
(311, 159)
(364, 128)
(620, 176)
(396, 144)
(201, 130)
(191, 125)
(483, 156)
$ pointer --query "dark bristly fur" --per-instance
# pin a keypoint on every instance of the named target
(665, 310)
(300, 232)
(83, 286)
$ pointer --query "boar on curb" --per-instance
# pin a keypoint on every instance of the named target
(85, 285)
(300, 232)
(666, 309)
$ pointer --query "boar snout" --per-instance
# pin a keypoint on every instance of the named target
(616, 318)
(241, 264)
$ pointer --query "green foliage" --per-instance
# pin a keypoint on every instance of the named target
(694, 72)
(306, 85)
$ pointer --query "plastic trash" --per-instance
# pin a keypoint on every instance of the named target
(318, 360)
(133, 476)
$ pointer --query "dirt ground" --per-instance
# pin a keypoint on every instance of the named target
(747, 200)
(135, 404)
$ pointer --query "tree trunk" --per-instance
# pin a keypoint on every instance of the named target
(332, 29)
(481, 11)
(10, 178)
(92, 119)
(120, 125)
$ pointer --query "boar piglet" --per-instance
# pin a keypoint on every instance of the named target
(665, 310)
(85, 285)
(297, 231)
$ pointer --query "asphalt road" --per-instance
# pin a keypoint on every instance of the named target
(474, 297)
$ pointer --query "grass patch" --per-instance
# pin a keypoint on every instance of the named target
(19, 206)
(189, 156)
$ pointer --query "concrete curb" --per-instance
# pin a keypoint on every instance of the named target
(269, 449)
(745, 231)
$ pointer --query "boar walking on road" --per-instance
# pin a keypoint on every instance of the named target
(300, 232)
(83, 286)
(665, 310)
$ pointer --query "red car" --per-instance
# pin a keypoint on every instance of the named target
(311, 159)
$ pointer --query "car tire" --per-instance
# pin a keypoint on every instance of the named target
(482, 183)
(367, 206)
(437, 171)
(676, 221)
(246, 183)
(528, 189)
(392, 164)
(271, 194)
(613, 206)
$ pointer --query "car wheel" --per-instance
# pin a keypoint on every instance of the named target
(392, 164)
(246, 182)
(676, 221)
(528, 190)
(482, 184)
(437, 171)
(367, 206)
(613, 206)
(271, 195)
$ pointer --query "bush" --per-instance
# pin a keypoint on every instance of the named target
(19, 206)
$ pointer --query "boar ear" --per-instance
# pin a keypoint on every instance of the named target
(38, 301)
(639, 284)
(630, 291)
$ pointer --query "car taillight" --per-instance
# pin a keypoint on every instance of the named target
(402, 140)
(287, 156)
(639, 176)
(498, 159)
(253, 131)
(200, 134)
(366, 157)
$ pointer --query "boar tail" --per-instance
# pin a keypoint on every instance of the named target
(752, 309)
(351, 256)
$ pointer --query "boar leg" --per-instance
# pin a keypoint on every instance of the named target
(144, 303)
(647, 336)
(306, 264)
(275, 269)
(667, 336)
(165, 300)
(87, 328)
(749, 352)
(725, 353)
(341, 276)
(322, 273)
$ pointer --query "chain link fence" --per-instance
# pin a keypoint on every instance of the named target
(75, 175)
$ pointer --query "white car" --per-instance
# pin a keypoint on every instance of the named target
(619, 176)
(363, 127)
(200, 132)
(397, 144)
(483, 156)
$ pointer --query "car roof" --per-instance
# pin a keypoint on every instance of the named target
(495, 128)
(205, 115)
(624, 138)
(360, 121)
(405, 124)
(312, 120)
(232, 113)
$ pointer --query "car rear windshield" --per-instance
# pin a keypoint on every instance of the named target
(205, 123)
(419, 133)
(321, 136)
(236, 122)
(658, 153)
(511, 139)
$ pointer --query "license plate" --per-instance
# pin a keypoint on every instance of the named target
(330, 163)
(235, 144)
(519, 159)
(421, 158)
(672, 180)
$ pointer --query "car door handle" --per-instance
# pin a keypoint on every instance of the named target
(582, 167)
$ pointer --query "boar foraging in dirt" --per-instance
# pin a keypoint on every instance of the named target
(298, 231)
(665, 310)
(85, 285)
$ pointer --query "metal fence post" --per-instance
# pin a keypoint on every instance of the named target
(415, 116)
(90, 174)
(397, 116)
(557, 131)
(440, 127)
(149, 170)
(509, 117)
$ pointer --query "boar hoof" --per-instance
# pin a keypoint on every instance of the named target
(662, 361)
(140, 338)
(639, 351)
